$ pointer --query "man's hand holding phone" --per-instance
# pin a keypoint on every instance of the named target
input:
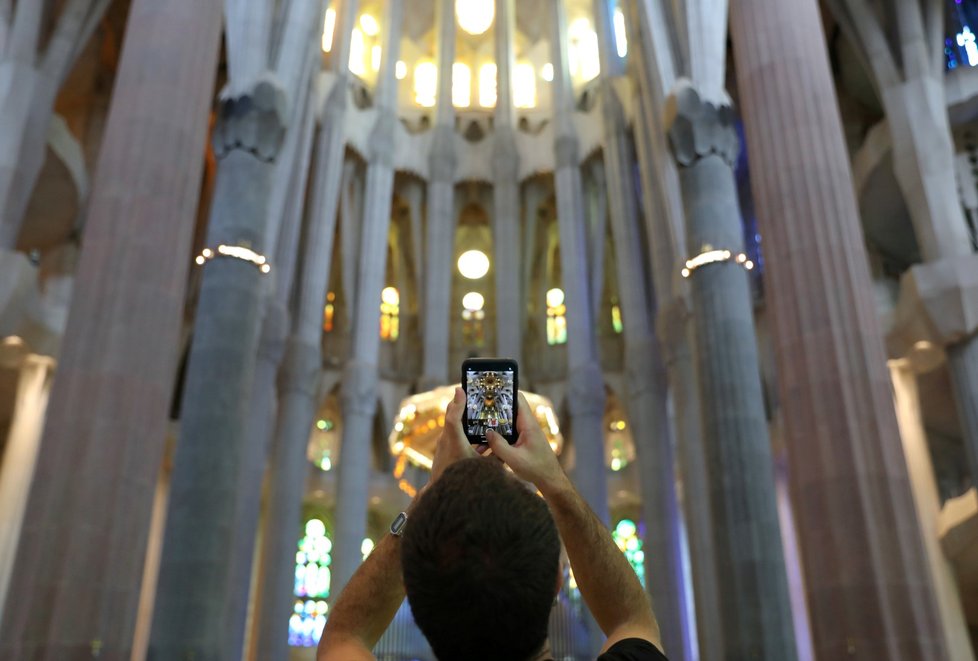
(531, 457)
(452, 445)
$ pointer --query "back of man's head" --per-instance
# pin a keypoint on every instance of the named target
(481, 558)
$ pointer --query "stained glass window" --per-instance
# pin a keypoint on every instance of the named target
(473, 318)
(328, 312)
(312, 579)
(626, 537)
(556, 317)
(390, 314)
(616, 317)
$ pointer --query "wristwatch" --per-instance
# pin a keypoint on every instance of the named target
(397, 526)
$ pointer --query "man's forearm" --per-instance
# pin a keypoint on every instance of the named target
(606, 580)
(370, 600)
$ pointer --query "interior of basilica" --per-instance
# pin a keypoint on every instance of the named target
(246, 246)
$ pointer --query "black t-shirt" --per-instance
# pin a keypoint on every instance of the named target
(633, 649)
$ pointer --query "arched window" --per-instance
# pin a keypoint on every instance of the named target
(329, 312)
(312, 580)
(426, 84)
(583, 53)
(473, 318)
(621, 35)
(487, 85)
(461, 85)
(524, 85)
(556, 317)
(616, 317)
(626, 537)
(358, 53)
(390, 314)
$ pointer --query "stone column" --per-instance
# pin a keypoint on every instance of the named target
(88, 513)
(855, 512)
(923, 481)
(196, 580)
(359, 394)
(755, 607)
(645, 391)
(510, 302)
(664, 214)
(440, 232)
(289, 199)
(20, 457)
(301, 368)
(585, 382)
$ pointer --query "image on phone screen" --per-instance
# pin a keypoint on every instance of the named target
(489, 402)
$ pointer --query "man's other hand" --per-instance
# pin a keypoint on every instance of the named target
(531, 457)
(452, 445)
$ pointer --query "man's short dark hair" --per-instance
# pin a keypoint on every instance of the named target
(481, 557)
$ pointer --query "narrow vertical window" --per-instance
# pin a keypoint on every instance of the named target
(390, 313)
(556, 317)
(312, 580)
(329, 312)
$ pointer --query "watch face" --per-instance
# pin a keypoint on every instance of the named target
(398, 526)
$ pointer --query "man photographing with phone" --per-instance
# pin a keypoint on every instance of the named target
(478, 555)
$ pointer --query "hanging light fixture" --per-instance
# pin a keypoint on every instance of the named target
(473, 264)
(475, 16)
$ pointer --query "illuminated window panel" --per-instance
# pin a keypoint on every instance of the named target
(487, 85)
(524, 85)
(312, 579)
(400, 69)
(473, 318)
(329, 312)
(358, 53)
(556, 318)
(616, 318)
(426, 84)
(390, 313)
(621, 35)
(626, 537)
(475, 16)
(375, 52)
(328, 28)
(583, 50)
(461, 85)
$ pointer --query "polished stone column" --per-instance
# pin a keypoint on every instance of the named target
(510, 304)
(288, 197)
(359, 394)
(20, 458)
(855, 511)
(585, 382)
(645, 391)
(195, 579)
(80, 555)
(302, 365)
(440, 232)
(664, 217)
(755, 607)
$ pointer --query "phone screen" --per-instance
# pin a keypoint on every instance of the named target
(489, 396)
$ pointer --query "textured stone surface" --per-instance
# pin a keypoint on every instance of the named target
(755, 609)
(80, 558)
(869, 590)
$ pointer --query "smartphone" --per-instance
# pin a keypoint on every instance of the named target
(491, 386)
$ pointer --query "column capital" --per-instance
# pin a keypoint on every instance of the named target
(253, 120)
(698, 128)
(672, 323)
(937, 307)
(567, 150)
(443, 160)
(585, 390)
(505, 155)
(382, 138)
(301, 367)
(359, 389)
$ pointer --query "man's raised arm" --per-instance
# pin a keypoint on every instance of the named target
(606, 580)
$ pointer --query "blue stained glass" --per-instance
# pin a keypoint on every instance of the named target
(312, 581)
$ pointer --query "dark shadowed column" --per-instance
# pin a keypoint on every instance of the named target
(869, 589)
(75, 588)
